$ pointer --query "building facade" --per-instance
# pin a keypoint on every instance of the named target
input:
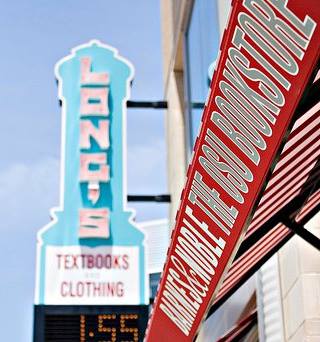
(286, 290)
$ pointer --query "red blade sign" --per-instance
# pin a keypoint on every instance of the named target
(267, 56)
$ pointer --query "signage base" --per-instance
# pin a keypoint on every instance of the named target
(89, 323)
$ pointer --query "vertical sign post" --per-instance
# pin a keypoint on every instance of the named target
(267, 56)
(91, 253)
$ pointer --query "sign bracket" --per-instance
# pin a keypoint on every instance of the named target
(165, 198)
(158, 104)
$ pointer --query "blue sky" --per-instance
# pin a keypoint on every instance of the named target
(34, 35)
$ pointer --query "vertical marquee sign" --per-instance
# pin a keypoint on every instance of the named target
(267, 56)
(92, 253)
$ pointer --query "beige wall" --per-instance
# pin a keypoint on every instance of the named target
(300, 287)
(174, 18)
(172, 14)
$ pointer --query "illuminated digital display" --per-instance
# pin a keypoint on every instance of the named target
(90, 323)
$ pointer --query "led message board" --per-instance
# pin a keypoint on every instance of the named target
(92, 252)
(90, 324)
(266, 60)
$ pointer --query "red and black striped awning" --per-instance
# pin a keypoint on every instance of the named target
(291, 198)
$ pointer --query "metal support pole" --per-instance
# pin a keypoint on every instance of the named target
(147, 104)
(149, 198)
(158, 104)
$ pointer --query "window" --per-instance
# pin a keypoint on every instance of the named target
(201, 49)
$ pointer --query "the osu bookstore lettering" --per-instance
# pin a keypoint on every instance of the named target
(246, 117)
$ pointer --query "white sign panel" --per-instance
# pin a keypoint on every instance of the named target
(83, 275)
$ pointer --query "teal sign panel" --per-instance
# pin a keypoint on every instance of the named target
(92, 252)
